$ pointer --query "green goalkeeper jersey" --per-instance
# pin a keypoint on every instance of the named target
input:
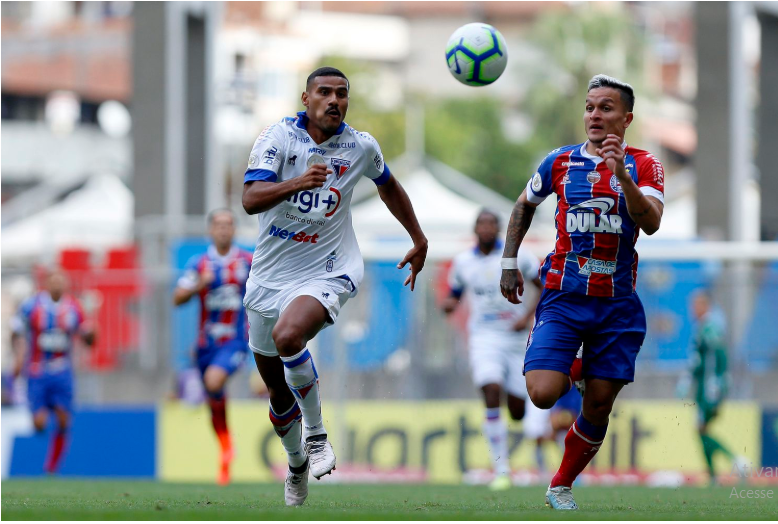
(708, 361)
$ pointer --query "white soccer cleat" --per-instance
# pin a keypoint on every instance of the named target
(321, 457)
(560, 497)
(296, 488)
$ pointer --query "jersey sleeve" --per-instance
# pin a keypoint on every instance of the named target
(541, 184)
(528, 264)
(191, 275)
(455, 281)
(651, 176)
(377, 170)
(267, 156)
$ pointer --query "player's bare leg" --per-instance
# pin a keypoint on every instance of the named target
(546, 386)
(215, 379)
(583, 440)
(298, 324)
(496, 433)
(58, 440)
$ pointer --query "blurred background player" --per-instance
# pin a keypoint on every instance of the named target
(498, 334)
(606, 193)
(307, 264)
(43, 335)
(707, 374)
(218, 279)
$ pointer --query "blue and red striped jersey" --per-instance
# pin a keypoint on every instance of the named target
(49, 328)
(595, 242)
(222, 317)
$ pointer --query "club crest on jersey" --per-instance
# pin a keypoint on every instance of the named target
(593, 177)
(615, 184)
(340, 166)
(537, 183)
(591, 216)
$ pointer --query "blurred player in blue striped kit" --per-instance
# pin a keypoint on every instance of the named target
(218, 279)
(606, 192)
(43, 334)
(300, 178)
(497, 332)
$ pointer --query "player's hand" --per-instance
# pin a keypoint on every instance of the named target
(17, 369)
(512, 285)
(416, 257)
(613, 155)
(314, 177)
(206, 277)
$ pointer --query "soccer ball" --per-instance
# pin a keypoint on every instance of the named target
(476, 54)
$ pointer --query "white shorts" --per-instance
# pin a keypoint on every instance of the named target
(499, 360)
(536, 422)
(264, 307)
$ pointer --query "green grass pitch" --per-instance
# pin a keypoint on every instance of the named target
(48, 499)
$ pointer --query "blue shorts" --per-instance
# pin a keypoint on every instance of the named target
(610, 329)
(570, 401)
(227, 356)
(51, 390)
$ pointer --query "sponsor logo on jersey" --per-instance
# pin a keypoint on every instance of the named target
(309, 201)
(572, 164)
(292, 160)
(340, 166)
(54, 340)
(344, 145)
(269, 157)
(615, 184)
(537, 183)
(317, 151)
(593, 177)
(378, 161)
(303, 139)
(583, 218)
(253, 161)
(587, 266)
(224, 298)
(565, 179)
(285, 234)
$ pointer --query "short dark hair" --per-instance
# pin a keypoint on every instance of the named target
(626, 91)
(489, 212)
(326, 71)
(219, 211)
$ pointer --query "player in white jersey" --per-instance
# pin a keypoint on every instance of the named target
(307, 263)
(497, 339)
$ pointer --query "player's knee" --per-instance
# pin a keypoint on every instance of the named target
(517, 410)
(597, 412)
(542, 396)
(214, 380)
(39, 422)
(288, 341)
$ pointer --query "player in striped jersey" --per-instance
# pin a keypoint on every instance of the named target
(218, 279)
(606, 192)
(43, 333)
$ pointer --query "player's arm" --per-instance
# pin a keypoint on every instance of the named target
(18, 343)
(398, 203)
(192, 282)
(512, 281)
(645, 210)
(260, 195)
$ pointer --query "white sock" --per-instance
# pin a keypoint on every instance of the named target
(288, 426)
(303, 380)
(496, 433)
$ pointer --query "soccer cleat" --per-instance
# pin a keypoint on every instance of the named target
(560, 497)
(500, 483)
(224, 470)
(321, 456)
(296, 487)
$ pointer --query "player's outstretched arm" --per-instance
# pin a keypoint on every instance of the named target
(398, 203)
(512, 281)
(259, 196)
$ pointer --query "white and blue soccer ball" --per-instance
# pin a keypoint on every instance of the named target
(476, 54)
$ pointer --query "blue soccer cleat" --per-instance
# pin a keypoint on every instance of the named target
(560, 497)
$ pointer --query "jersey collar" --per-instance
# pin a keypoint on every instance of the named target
(497, 245)
(214, 253)
(594, 158)
(302, 123)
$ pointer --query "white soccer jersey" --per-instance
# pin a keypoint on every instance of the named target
(478, 276)
(309, 235)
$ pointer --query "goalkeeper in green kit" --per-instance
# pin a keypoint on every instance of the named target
(707, 375)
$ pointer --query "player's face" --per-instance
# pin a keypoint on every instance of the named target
(700, 306)
(327, 102)
(56, 283)
(222, 229)
(605, 114)
(486, 229)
